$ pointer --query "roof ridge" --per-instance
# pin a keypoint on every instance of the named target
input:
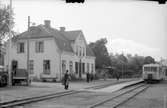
(76, 30)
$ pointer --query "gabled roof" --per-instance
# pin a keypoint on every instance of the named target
(72, 35)
(63, 38)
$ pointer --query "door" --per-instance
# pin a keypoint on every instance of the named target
(14, 65)
(80, 69)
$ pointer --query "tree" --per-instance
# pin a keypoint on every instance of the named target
(4, 21)
(135, 64)
(149, 60)
(100, 50)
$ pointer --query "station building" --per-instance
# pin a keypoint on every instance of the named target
(52, 52)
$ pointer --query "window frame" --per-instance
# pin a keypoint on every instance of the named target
(46, 67)
(20, 47)
(31, 66)
(39, 46)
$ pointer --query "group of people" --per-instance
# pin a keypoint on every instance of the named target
(66, 79)
(89, 77)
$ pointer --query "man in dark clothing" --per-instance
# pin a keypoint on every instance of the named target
(91, 77)
(66, 80)
(117, 76)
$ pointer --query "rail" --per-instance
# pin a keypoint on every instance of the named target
(142, 86)
(35, 99)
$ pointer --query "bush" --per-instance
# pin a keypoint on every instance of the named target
(74, 78)
(96, 76)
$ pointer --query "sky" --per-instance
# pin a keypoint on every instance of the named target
(130, 26)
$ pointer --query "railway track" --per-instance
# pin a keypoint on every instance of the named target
(36, 99)
(120, 97)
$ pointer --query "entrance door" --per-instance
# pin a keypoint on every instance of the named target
(14, 66)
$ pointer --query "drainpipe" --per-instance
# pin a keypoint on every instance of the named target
(60, 65)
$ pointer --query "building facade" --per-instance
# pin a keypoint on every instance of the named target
(52, 52)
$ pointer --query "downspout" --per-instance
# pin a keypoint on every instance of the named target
(60, 65)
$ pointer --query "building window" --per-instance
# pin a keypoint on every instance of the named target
(63, 66)
(31, 66)
(77, 50)
(46, 66)
(80, 51)
(83, 68)
(20, 47)
(92, 68)
(76, 67)
(88, 67)
(71, 66)
(39, 46)
(83, 51)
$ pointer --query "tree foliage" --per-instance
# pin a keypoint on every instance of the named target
(101, 53)
(5, 20)
(129, 66)
(149, 60)
(115, 65)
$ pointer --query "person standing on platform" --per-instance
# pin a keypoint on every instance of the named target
(66, 80)
(117, 76)
(87, 77)
(91, 77)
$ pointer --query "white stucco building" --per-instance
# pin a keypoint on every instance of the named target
(52, 52)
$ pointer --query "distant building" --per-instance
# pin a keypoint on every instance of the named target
(52, 52)
(164, 63)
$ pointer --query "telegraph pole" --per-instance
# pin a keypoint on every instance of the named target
(10, 42)
(28, 54)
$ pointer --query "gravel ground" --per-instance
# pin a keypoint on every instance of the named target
(153, 97)
(79, 100)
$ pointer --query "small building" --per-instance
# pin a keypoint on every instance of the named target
(52, 52)
(164, 63)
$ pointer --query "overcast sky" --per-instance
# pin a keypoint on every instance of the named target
(130, 26)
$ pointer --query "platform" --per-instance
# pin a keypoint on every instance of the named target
(116, 87)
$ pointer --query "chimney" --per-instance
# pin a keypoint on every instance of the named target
(62, 28)
(47, 23)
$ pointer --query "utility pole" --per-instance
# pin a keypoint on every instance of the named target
(10, 42)
(28, 55)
